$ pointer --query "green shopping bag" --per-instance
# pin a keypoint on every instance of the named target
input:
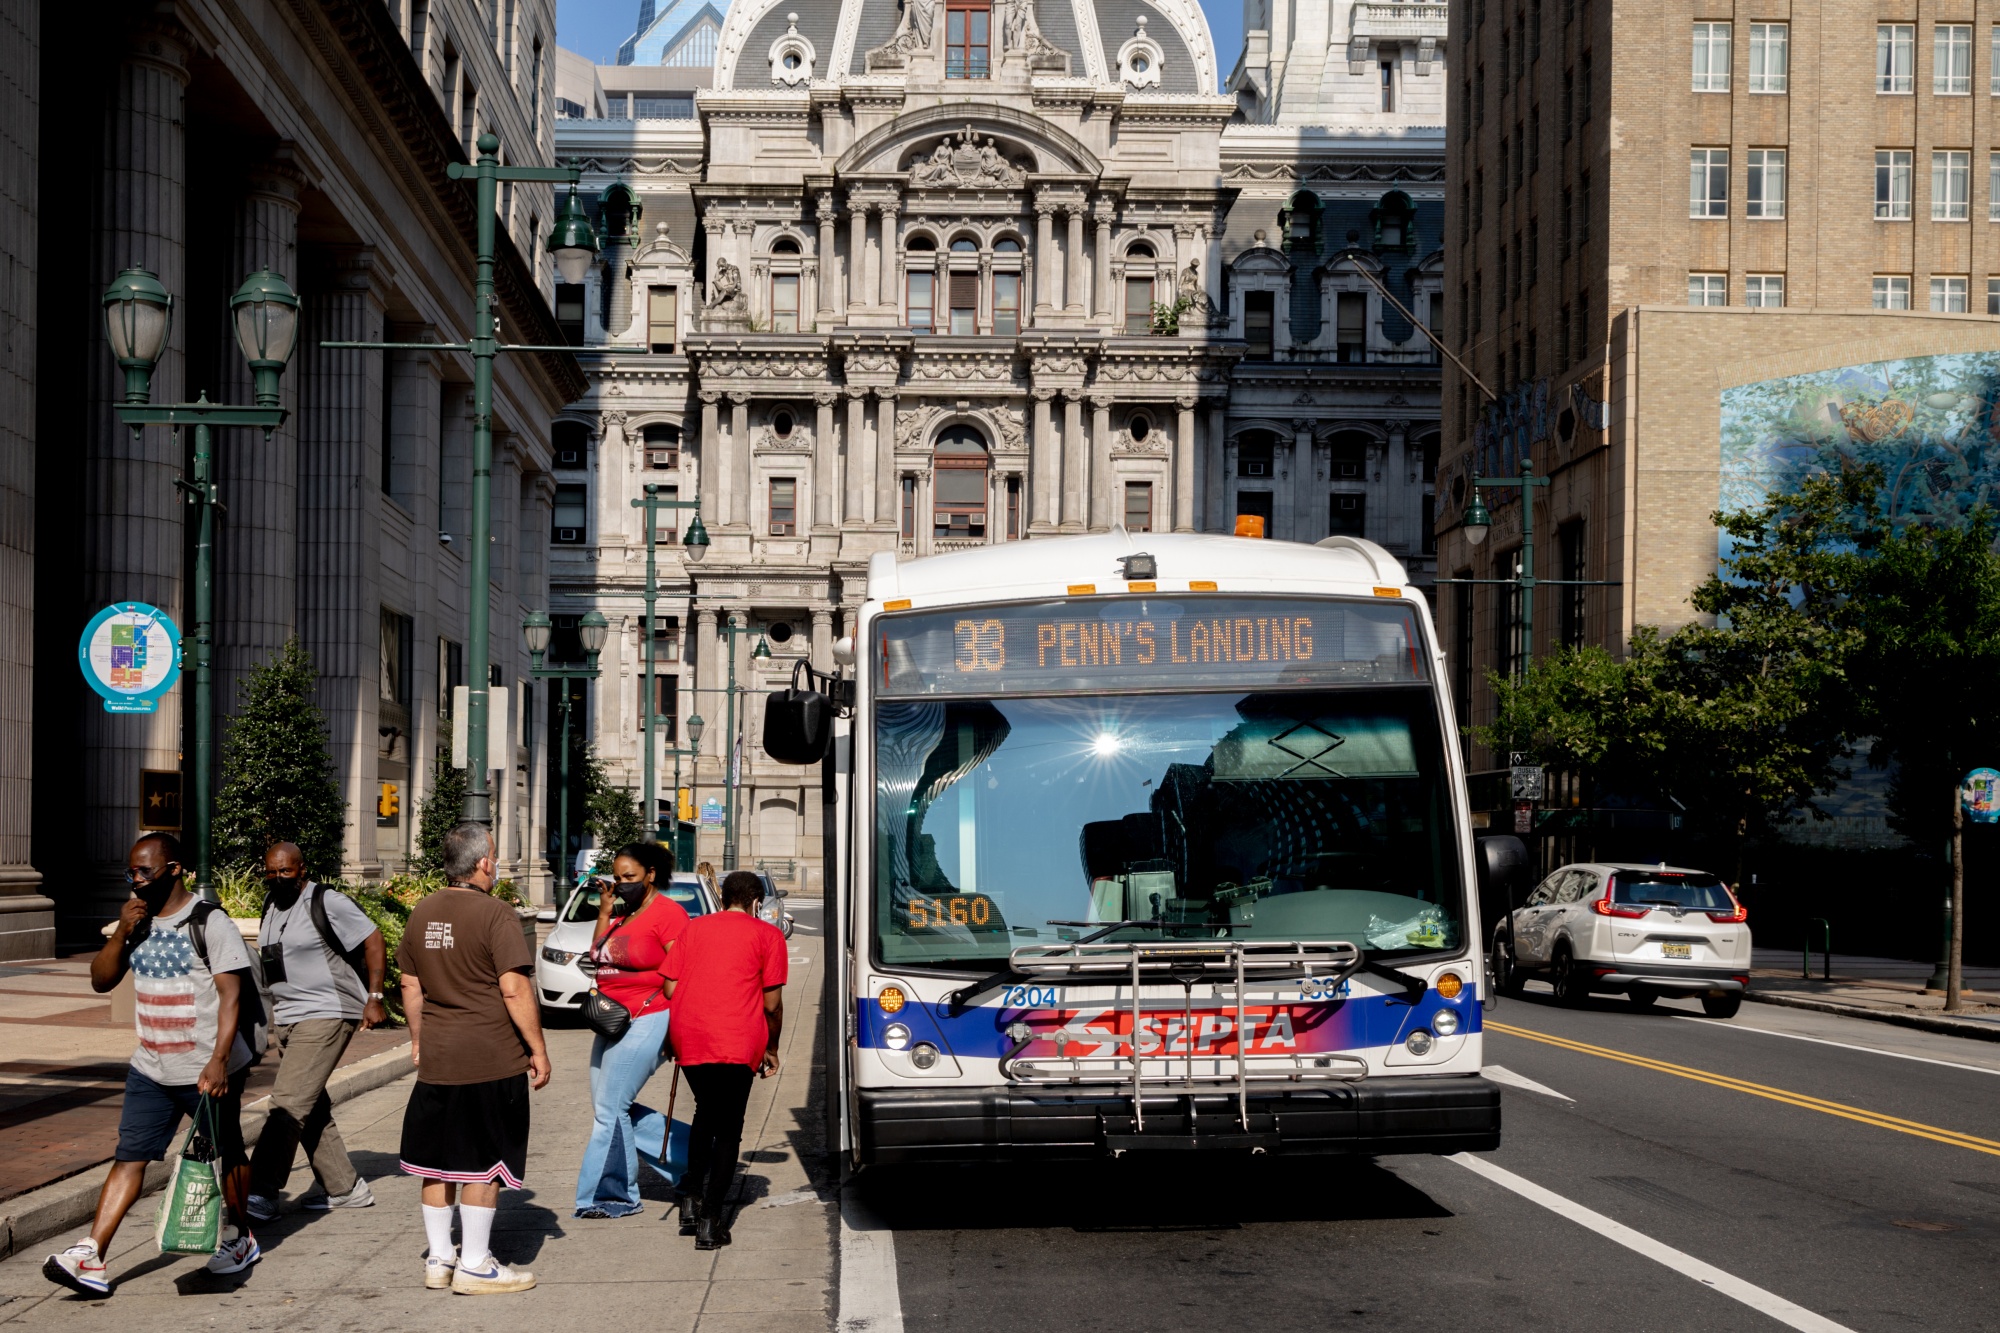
(191, 1210)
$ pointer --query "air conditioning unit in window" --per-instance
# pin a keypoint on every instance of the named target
(1256, 467)
(569, 458)
(569, 535)
(663, 460)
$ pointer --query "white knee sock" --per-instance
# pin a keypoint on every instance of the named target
(437, 1226)
(477, 1226)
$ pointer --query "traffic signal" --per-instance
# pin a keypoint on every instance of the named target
(389, 802)
(686, 804)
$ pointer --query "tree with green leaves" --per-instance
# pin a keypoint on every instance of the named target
(611, 812)
(278, 780)
(439, 811)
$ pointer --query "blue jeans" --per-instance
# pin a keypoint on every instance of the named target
(609, 1178)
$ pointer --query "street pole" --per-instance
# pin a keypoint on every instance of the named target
(695, 547)
(591, 629)
(565, 862)
(1955, 977)
(202, 495)
(729, 629)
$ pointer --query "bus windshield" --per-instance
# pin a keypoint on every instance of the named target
(1262, 815)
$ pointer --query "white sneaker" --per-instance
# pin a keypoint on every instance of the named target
(80, 1267)
(358, 1197)
(490, 1278)
(261, 1209)
(438, 1269)
(235, 1255)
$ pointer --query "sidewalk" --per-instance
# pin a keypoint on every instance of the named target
(1885, 989)
(340, 1271)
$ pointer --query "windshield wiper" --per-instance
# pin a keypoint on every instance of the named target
(1413, 986)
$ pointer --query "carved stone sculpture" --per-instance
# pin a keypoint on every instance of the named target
(969, 163)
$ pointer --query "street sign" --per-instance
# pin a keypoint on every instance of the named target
(1524, 819)
(498, 733)
(1981, 795)
(160, 799)
(131, 655)
(1525, 782)
(711, 813)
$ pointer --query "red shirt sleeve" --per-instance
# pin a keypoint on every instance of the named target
(775, 960)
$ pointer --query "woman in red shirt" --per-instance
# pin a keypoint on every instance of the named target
(631, 953)
(727, 981)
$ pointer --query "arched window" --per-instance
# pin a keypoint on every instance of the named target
(1006, 245)
(785, 245)
(570, 441)
(1141, 250)
(958, 499)
(1349, 455)
(920, 242)
(965, 245)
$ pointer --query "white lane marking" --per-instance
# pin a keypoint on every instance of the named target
(1765, 1302)
(1503, 1075)
(870, 1301)
(1843, 1045)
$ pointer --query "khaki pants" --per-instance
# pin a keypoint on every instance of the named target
(300, 1110)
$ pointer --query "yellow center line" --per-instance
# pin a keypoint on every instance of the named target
(1789, 1098)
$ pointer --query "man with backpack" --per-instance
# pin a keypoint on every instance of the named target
(199, 1023)
(323, 962)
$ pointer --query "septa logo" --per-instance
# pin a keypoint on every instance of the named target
(1107, 1031)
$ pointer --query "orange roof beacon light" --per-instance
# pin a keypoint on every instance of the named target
(1250, 525)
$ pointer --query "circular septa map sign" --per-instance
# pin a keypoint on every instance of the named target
(131, 655)
(1982, 796)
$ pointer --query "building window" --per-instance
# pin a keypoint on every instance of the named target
(666, 698)
(1951, 186)
(1259, 315)
(1708, 289)
(923, 296)
(1993, 80)
(1948, 295)
(1765, 197)
(570, 516)
(1892, 185)
(1764, 289)
(1993, 187)
(1891, 293)
(1388, 85)
(1427, 524)
(569, 442)
(966, 40)
(958, 482)
(663, 448)
(397, 657)
(1138, 305)
(1138, 506)
(1253, 454)
(1351, 332)
(1770, 57)
(1993, 296)
(1708, 182)
(569, 312)
(909, 506)
(1510, 638)
(1951, 60)
(1571, 551)
(962, 290)
(1006, 303)
(1895, 45)
(1013, 508)
(784, 506)
(784, 303)
(1711, 57)
(667, 522)
(662, 318)
(1346, 514)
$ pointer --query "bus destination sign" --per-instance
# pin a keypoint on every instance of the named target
(1141, 643)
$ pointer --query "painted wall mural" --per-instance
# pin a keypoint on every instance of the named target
(1931, 423)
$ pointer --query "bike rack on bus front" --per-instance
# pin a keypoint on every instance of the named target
(1240, 963)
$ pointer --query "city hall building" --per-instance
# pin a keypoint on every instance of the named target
(955, 273)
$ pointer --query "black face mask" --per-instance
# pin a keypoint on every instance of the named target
(630, 895)
(283, 887)
(156, 893)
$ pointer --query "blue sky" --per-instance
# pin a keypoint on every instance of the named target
(594, 28)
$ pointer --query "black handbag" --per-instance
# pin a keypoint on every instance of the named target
(604, 1015)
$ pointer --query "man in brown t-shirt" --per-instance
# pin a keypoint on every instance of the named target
(476, 1039)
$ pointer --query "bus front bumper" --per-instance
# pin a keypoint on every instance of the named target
(1409, 1114)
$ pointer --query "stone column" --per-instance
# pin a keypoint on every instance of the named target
(1101, 267)
(739, 459)
(1213, 482)
(708, 461)
(1045, 269)
(1103, 505)
(1075, 272)
(1045, 464)
(891, 266)
(822, 638)
(133, 520)
(340, 611)
(827, 289)
(257, 548)
(826, 460)
(1184, 452)
(857, 463)
(885, 458)
(857, 254)
(1076, 463)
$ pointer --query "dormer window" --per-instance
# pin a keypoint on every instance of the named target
(967, 39)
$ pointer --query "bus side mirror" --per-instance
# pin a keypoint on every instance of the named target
(798, 726)
(1503, 861)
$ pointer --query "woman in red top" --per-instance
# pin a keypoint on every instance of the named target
(727, 981)
(631, 954)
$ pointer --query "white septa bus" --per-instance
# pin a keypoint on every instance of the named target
(1147, 841)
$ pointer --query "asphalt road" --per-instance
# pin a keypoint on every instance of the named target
(1852, 1186)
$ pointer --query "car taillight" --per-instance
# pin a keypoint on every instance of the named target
(1735, 914)
(1603, 906)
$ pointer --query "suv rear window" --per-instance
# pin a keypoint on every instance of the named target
(1694, 893)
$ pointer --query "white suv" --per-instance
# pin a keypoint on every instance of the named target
(1645, 931)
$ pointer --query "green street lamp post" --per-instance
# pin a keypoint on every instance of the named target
(695, 726)
(571, 245)
(729, 629)
(694, 545)
(265, 315)
(590, 630)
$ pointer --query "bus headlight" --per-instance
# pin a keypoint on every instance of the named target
(924, 1055)
(1445, 1021)
(895, 1036)
(1418, 1042)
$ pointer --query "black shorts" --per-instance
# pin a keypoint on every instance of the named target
(468, 1133)
(152, 1115)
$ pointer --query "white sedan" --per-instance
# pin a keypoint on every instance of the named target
(563, 968)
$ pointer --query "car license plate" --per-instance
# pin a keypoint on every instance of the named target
(1677, 951)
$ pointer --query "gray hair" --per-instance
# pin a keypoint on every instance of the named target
(464, 847)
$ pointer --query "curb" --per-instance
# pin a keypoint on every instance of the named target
(35, 1216)
(1950, 1027)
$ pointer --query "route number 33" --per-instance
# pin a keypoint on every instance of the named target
(982, 645)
